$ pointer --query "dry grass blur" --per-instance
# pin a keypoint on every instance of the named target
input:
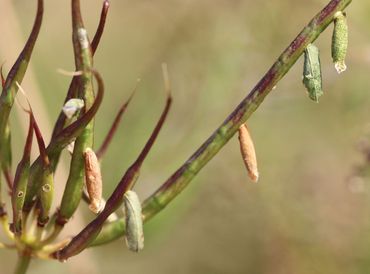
(302, 216)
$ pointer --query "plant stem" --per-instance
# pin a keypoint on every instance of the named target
(182, 177)
(22, 264)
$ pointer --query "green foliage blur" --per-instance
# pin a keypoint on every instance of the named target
(303, 217)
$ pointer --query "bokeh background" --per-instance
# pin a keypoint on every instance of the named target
(304, 216)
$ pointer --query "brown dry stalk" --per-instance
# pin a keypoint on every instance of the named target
(94, 183)
(248, 152)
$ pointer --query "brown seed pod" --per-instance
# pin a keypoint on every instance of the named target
(248, 152)
(94, 183)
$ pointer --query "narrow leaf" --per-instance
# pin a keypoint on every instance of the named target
(99, 31)
(113, 129)
(41, 143)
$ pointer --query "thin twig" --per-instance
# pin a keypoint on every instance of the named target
(108, 138)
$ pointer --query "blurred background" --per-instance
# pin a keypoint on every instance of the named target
(304, 216)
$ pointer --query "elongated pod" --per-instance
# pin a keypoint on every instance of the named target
(339, 42)
(10, 90)
(45, 196)
(84, 62)
(46, 192)
(20, 181)
(134, 223)
(312, 78)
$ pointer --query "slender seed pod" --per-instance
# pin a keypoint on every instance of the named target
(10, 89)
(93, 178)
(46, 194)
(6, 152)
(312, 78)
(248, 152)
(74, 187)
(339, 42)
(134, 223)
(20, 181)
(84, 62)
(18, 195)
(46, 191)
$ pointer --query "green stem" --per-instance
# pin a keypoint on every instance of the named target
(22, 264)
(182, 177)
(83, 59)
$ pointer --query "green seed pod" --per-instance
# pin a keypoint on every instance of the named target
(20, 181)
(19, 193)
(312, 78)
(46, 196)
(7, 152)
(134, 223)
(339, 42)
